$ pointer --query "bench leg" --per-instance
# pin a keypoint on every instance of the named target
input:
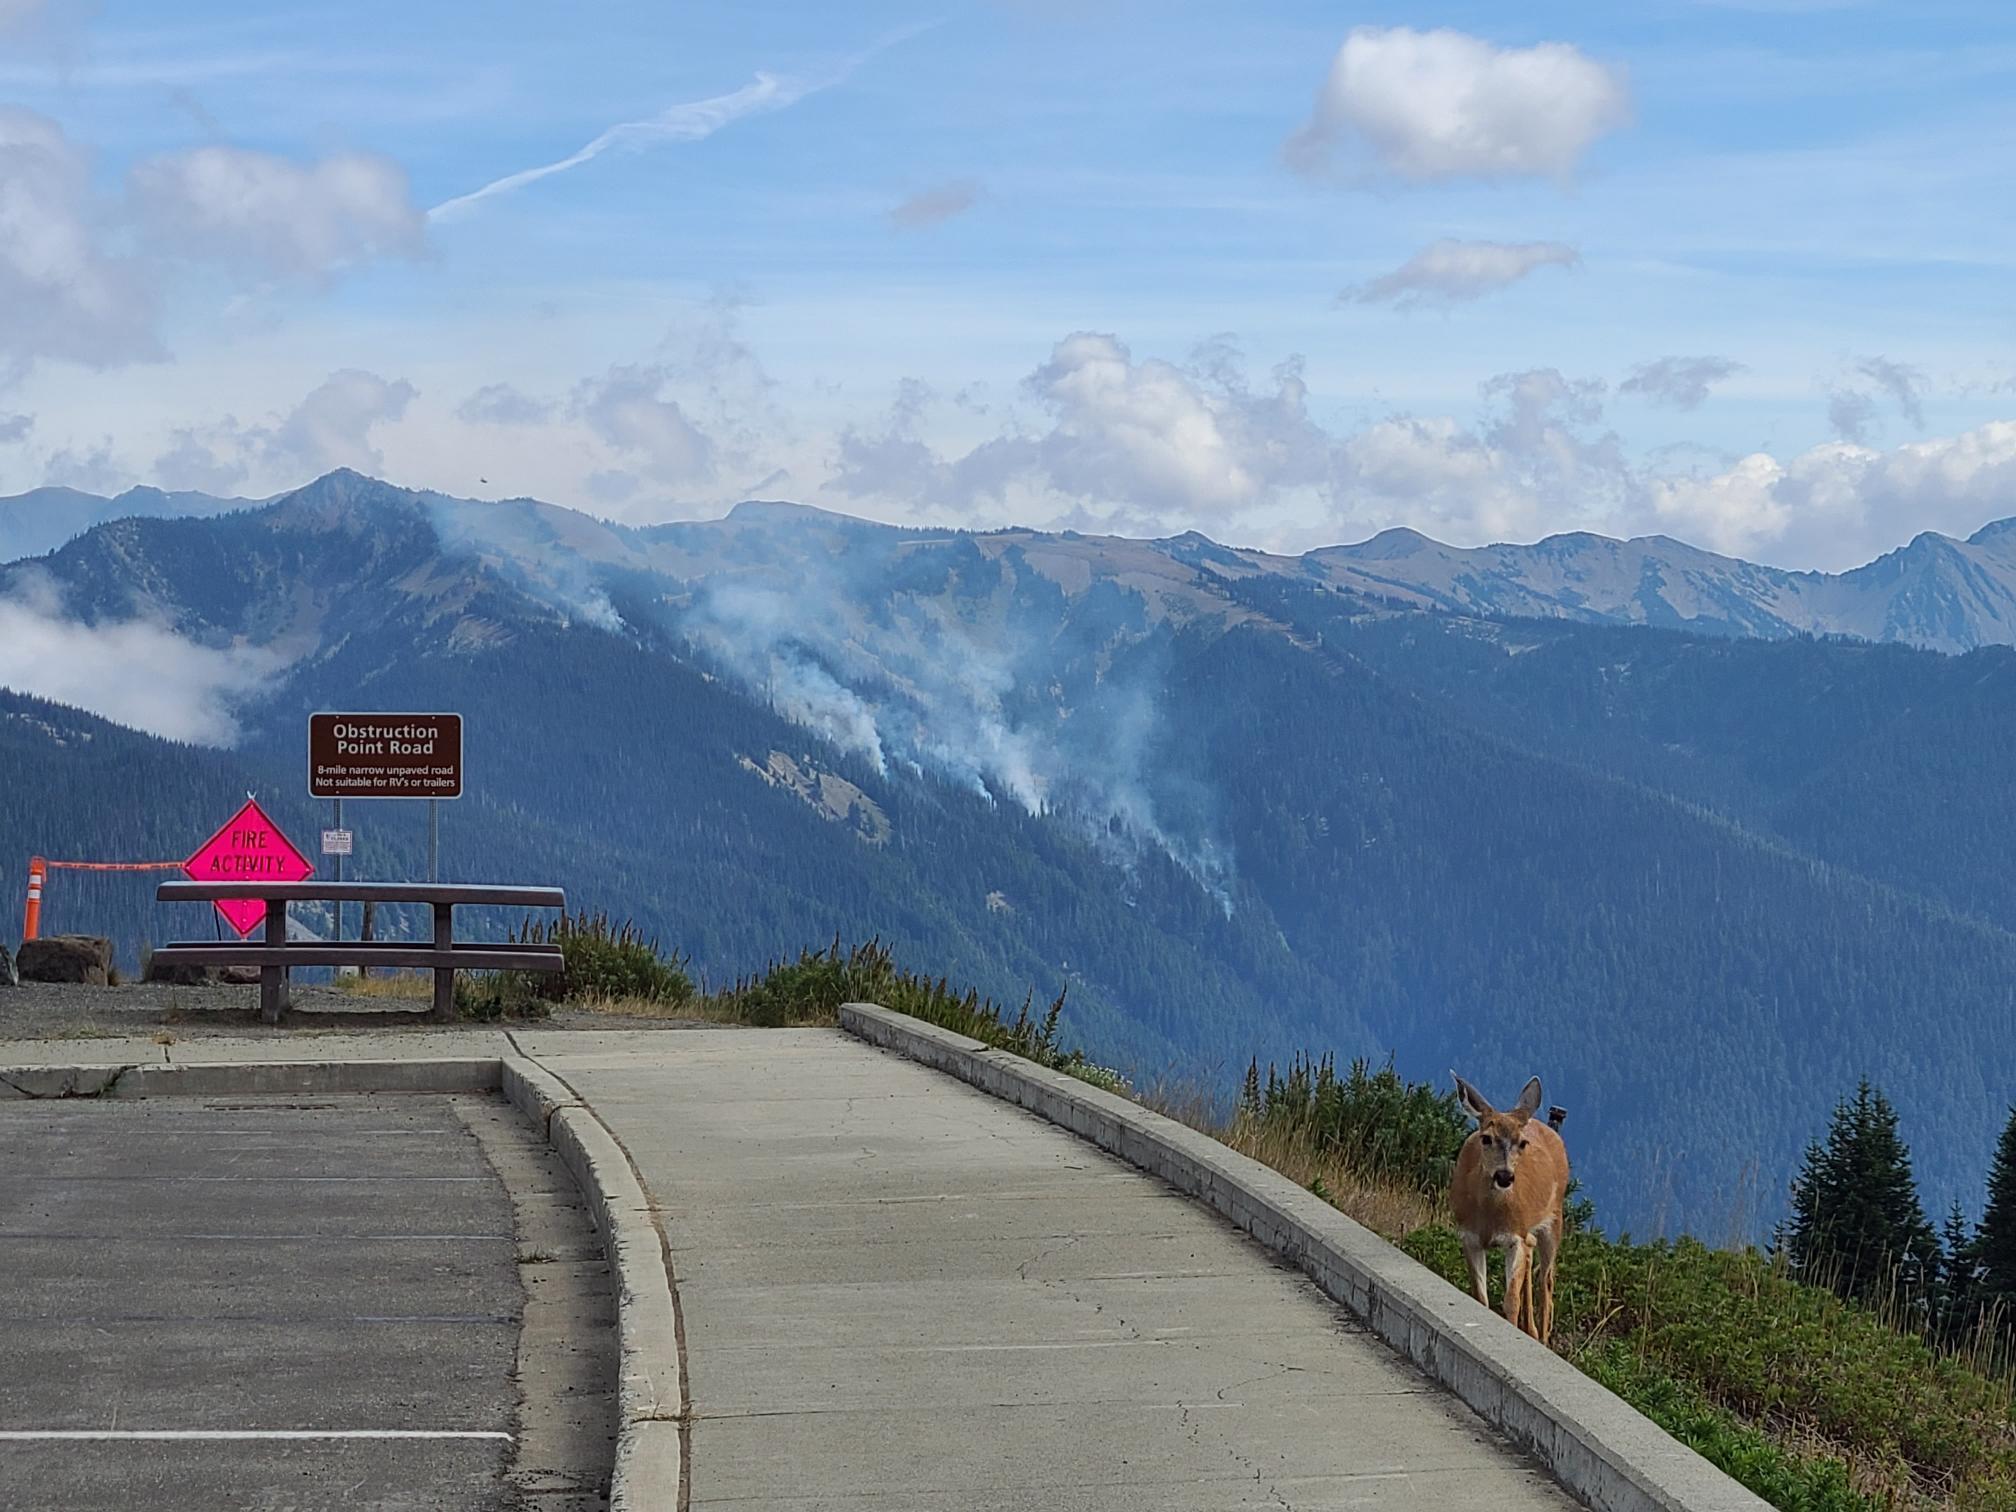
(273, 979)
(444, 978)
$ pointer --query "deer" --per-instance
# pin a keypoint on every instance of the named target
(1510, 1184)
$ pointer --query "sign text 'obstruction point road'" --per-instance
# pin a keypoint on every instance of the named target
(250, 848)
(385, 755)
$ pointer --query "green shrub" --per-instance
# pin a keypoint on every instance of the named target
(1385, 1129)
(812, 988)
(489, 996)
(602, 960)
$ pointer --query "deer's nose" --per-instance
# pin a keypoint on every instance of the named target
(1503, 1178)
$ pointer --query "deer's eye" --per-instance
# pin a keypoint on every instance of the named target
(1487, 1140)
(1522, 1144)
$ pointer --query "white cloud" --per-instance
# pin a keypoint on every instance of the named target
(934, 206)
(629, 411)
(62, 295)
(135, 672)
(1851, 414)
(502, 404)
(331, 427)
(93, 470)
(205, 462)
(1838, 504)
(1197, 443)
(15, 428)
(1537, 461)
(1128, 443)
(1443, 104)
(39, 20)
(1682, 382)
(1446, 271)
(1899, 381)
(236, 205)
(1852, 402)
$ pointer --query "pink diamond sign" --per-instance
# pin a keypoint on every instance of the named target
(250, 848)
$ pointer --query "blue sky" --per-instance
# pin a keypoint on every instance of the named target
(1287, 274)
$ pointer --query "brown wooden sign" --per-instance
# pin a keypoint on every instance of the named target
(385, 755)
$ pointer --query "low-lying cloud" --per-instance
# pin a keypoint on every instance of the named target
(333, 426)
(134, 672)
(1140, 445)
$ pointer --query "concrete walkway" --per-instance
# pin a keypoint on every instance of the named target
(898, 1294)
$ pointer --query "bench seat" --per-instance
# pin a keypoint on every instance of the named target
(463, 956)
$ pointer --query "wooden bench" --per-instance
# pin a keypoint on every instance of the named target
(444, 956)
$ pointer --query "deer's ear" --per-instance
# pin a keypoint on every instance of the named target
(1472, 1099)
(1529, 1100)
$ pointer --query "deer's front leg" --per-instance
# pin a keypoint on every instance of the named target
(1546, 1245)
(1515, 1282)
(1474, 1252)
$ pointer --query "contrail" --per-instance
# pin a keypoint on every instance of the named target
(689, 122)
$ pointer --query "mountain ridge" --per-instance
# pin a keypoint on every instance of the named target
(1935, 591)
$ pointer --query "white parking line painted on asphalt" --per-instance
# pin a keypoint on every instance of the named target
(151, 1435)
(253, 1176)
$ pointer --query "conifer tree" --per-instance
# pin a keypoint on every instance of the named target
(1959, 1279)
(1995, 1242)
(1856, 1224)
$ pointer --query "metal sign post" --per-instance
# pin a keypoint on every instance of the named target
(433, 839)
(339, 870)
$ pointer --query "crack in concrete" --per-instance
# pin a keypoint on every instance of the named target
(75, 1083)
(1043, 1254)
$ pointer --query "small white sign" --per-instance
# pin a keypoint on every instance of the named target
(335, 842)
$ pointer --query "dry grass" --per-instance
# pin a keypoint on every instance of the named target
(1386, 1209)
(393, 984)
(711, 1009)
(1383, 1206)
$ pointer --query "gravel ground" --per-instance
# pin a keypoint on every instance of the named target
(47, 1010)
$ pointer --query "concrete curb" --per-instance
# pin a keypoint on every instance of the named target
(1602, 1451)
(650, 1404)
(306, 1078)
(650, 1400)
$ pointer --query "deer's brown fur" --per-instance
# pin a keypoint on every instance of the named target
(1510, 1184)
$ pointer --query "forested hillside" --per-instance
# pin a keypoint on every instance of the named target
(1697, 885)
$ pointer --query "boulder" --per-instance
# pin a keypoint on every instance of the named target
(177, 973)
(8, 976)
(67, 958)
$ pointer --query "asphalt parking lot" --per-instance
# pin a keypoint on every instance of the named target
(255, 1302)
